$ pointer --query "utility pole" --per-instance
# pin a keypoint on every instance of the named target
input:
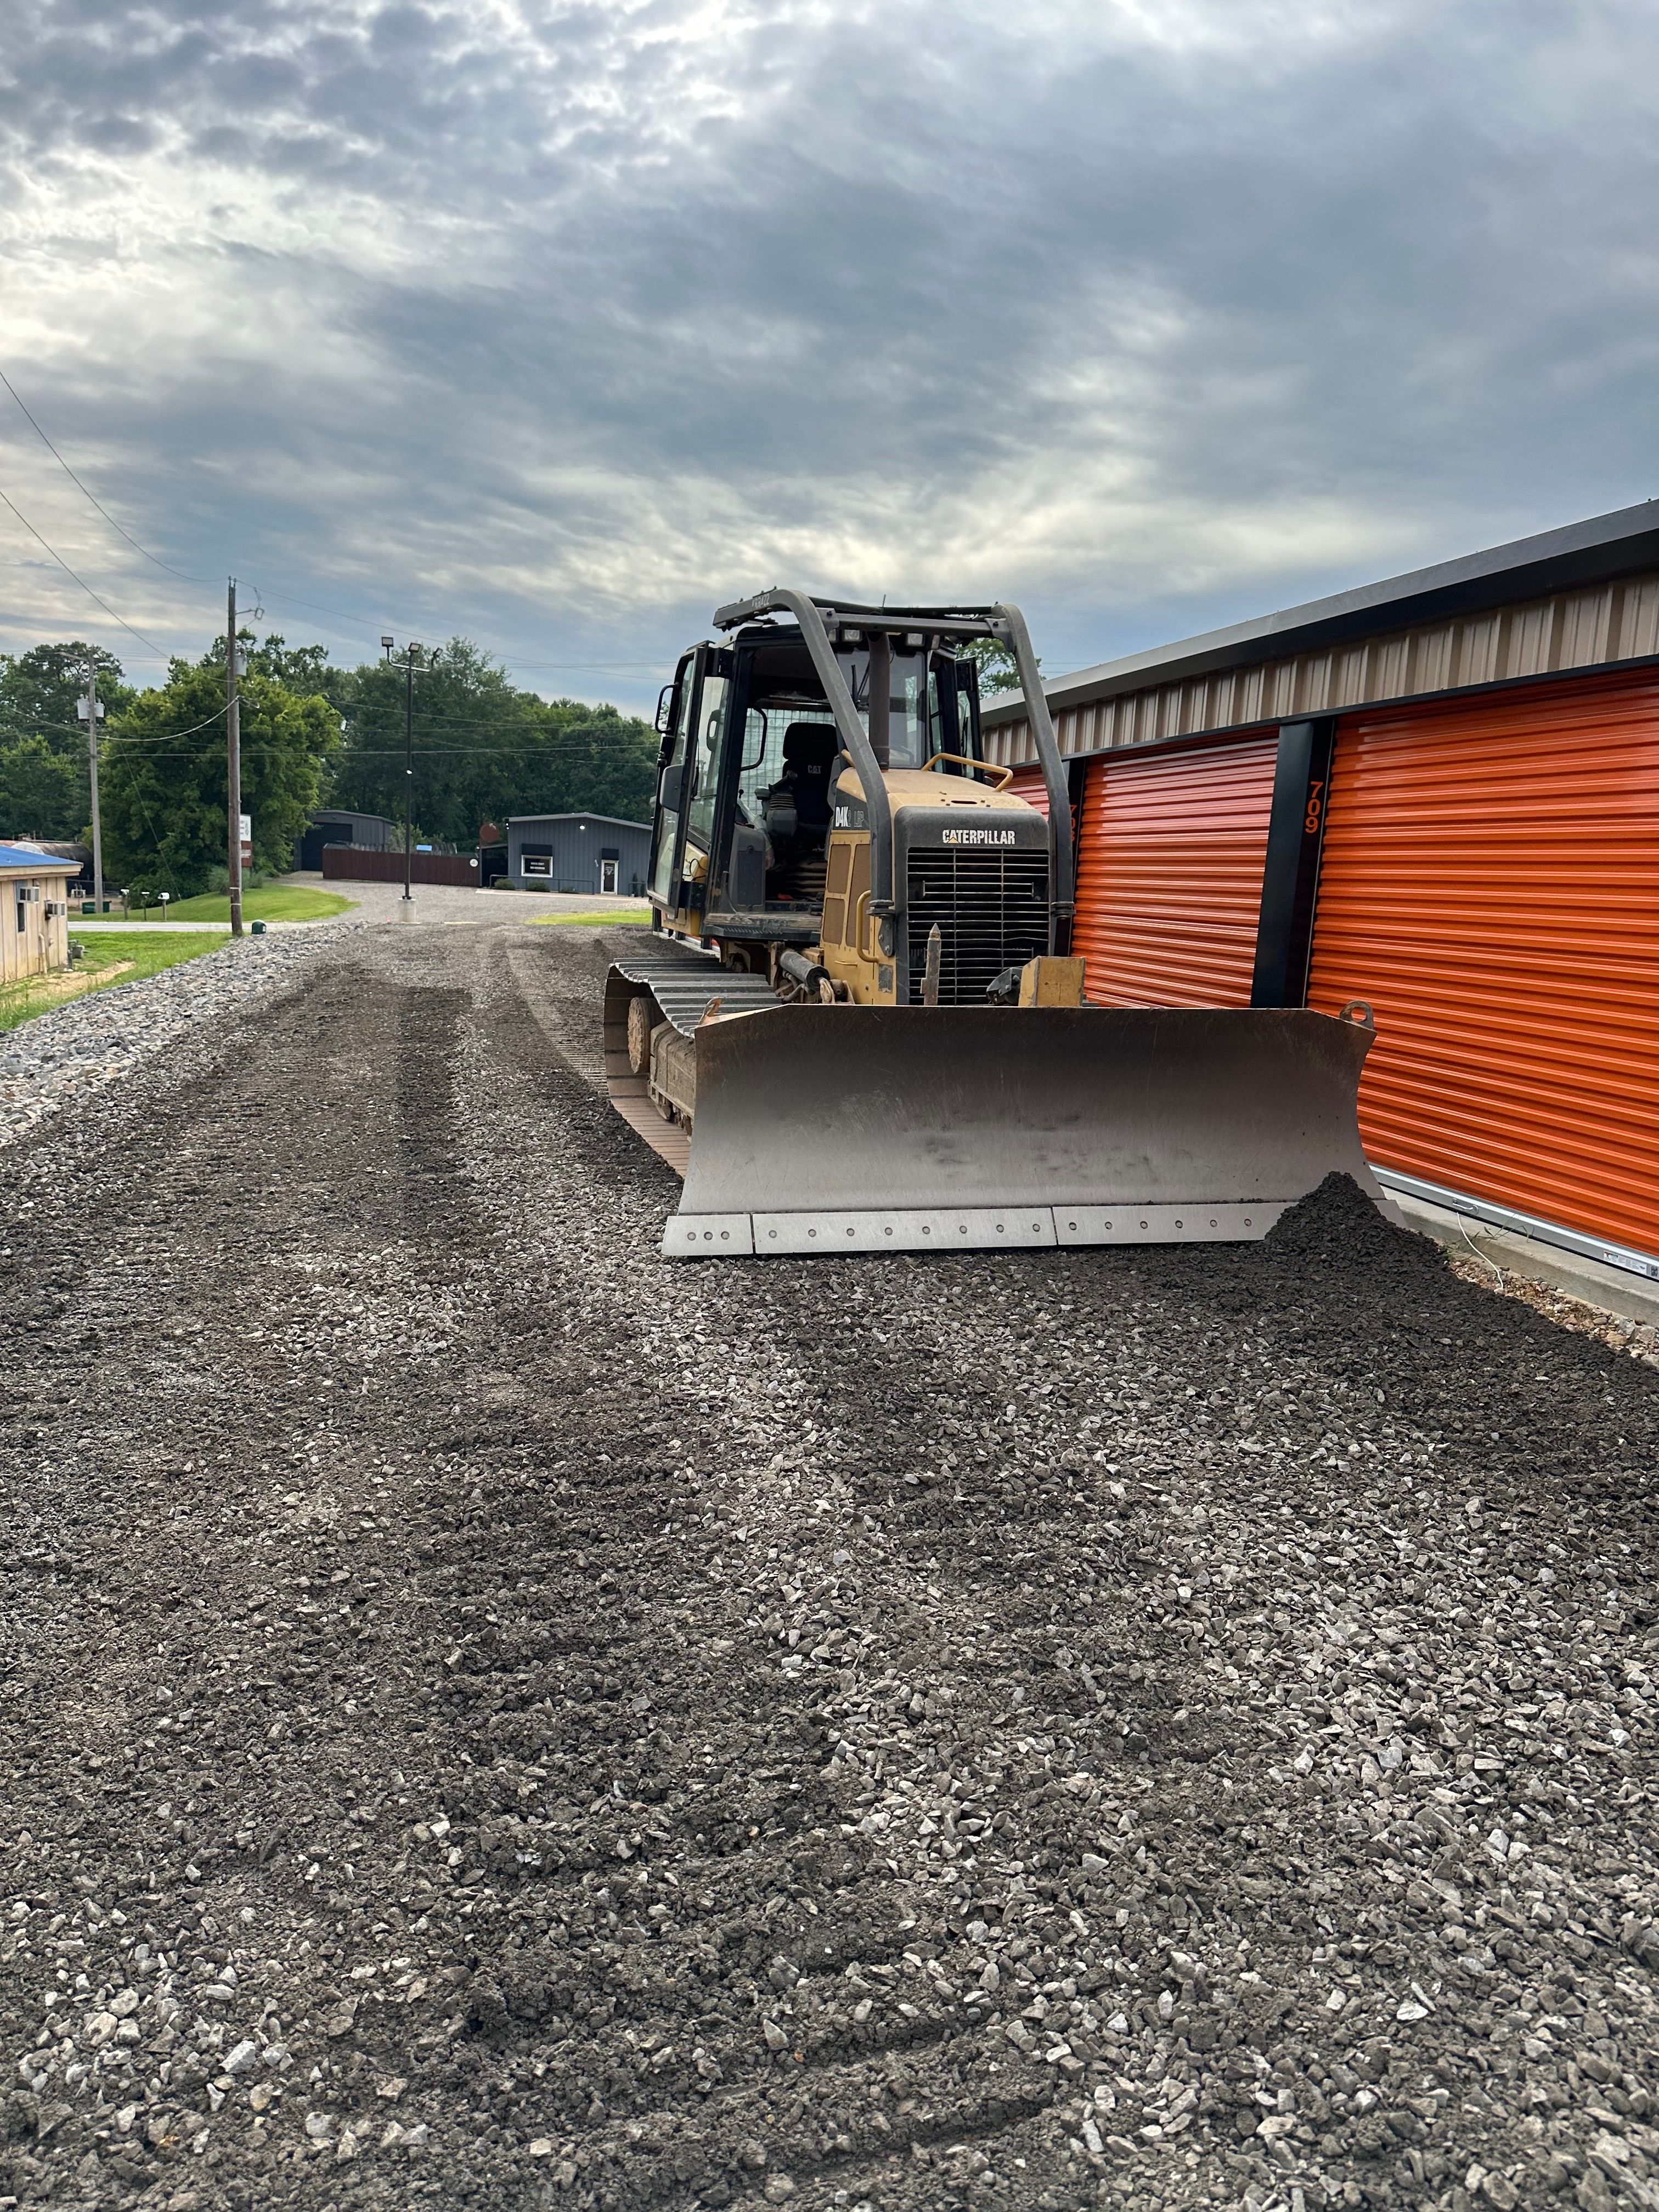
(409, 658)
(411, 655)
(90, 711)
(232, 767)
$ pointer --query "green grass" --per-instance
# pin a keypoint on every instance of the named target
(276, 903)
(122, 957)
(630, 916)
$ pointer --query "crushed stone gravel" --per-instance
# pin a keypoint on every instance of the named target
(490, 1718)
(71, 1055)
(1640, 1339)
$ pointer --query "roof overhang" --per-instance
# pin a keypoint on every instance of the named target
(1597, 551)
(612, 821)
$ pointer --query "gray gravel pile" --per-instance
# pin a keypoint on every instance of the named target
(494, 1720)
(71, 1056)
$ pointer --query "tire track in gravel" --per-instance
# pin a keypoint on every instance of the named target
(796, 1922)
(1330, 1322)
(1215, 1838)
(232, 1759)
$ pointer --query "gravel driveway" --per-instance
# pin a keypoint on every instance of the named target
(491, 1720)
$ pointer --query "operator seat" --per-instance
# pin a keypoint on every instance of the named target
(809, 755)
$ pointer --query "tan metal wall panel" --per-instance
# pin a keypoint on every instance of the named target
(1532, 634)
(1578, 630)
(1490, 885)
(1638, 620)
(1586, 622)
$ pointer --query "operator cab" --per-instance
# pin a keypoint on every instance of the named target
(749, 761)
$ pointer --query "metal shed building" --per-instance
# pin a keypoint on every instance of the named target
(339, 825)
(1440, 794)
(34, 911)
(583, 853)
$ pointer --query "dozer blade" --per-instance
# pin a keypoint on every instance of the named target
(823, 1128)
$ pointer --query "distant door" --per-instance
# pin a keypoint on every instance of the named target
(607, 876)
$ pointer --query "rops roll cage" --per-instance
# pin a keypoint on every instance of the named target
(819, 618)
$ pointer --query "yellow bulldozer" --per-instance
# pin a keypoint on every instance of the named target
(858, 1027)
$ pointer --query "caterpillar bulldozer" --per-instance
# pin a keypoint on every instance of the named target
(858, 1026)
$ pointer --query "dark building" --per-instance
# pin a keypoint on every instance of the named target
(337, 825)
(586, 854)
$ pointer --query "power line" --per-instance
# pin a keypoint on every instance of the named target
(555, 741)
(122, 736)
(345, 622)
(166, 737)
(97, 502)
(348, 622)
(81, 581)
(344, 756)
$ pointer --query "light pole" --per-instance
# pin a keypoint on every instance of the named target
(91, 712)
(411, 655)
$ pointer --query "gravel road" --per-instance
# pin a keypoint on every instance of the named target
(71, 1055)
(489, 1719)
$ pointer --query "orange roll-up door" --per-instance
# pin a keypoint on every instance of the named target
(1491, 884)
(1028, 785)
(1170, 861)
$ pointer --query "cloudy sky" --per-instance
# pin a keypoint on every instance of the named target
(554, 325)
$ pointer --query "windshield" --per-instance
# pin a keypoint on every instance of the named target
(928, 711)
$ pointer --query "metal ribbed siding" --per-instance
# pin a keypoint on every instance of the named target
(1028, 785)
(1170, 861)
(1490, 885)
(1567, 630)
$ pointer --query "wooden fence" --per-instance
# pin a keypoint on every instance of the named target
(356, 864)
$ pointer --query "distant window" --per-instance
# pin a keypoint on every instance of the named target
(535, 864)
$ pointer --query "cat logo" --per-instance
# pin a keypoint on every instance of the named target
(977, 837)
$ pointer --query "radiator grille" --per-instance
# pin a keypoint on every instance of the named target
(992, 909)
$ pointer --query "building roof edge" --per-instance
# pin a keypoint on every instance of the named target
(1597, 551)
(618, 821)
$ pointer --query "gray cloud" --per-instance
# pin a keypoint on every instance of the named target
(557, 324)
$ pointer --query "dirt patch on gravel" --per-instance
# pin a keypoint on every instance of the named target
(491, 1718)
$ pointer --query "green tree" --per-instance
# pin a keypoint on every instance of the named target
(43, 794)
(302, 668)
(592, 760)
(484, 749)
(998, 670)
(40, 692)
(163, 790)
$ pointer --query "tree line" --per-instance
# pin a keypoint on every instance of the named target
(312, 735)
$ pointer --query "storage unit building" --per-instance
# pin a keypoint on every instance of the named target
(1439, 794)
(34, 911)
(589, 854)
(339, 825)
